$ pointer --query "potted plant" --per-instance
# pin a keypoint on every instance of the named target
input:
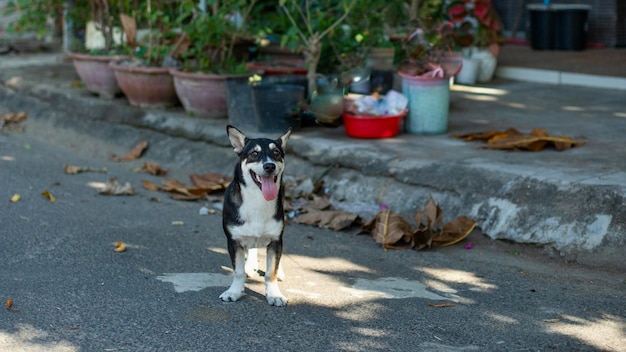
(312, 22)
(145, 77)
(213, 35)
(477, 29)
(93, 66)
(276, 51)
(426, 69)
(99, 18)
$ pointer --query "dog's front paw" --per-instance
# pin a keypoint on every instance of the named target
(277, 301)
(274, 296)
(231, 296)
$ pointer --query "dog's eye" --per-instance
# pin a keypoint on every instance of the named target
(254, 154)
(276, 152)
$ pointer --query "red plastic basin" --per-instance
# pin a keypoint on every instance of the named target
(368, 126)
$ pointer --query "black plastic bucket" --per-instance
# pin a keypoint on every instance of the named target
(558, 26)
(239, 103)
(542, 27)
(571, 27)
(277, 106)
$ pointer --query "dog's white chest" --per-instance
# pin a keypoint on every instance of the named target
(257, 215)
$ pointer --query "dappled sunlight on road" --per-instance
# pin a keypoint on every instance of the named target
(29, 338)
(572, 108)
(503, 319)
(607, 333)
(452, 276)
(479, 90)
(479, 93)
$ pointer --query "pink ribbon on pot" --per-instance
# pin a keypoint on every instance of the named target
(437, 72)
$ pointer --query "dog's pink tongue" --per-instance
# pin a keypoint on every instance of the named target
(268, 187)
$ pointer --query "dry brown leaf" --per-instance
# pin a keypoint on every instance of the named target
(150, 186)
(73, 170)
(332, 219)
(210, 180)
(486, 135)
(9, 303)
(433, 215)
(119, 247)
(12, 117)
(183, 197)
(391, 230)
(454, 231)
(153, 169)
(511, 139)
(320, 202)
(204, 185)
(49, 195)
(113, 187)
(134, 153)
(130, 29)
(441, 305)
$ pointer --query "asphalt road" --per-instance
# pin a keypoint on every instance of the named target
(72, 292)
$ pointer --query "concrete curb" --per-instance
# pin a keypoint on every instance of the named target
(579, 218)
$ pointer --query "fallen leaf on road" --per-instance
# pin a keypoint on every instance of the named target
(391, 230)
(113, 187)
(395, 232)
(330, 219)
(12, 117)
(48, 195)
(133, 154)
(511, 139)
(73, 170)
(153, 169)
(177, 223)
(441, 305)
(9, 303)
(203, 185)
(119, 247)
(15, 198)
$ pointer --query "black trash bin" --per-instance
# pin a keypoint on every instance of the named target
(541, 23)
(571, 27)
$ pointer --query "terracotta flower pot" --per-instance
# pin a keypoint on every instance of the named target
(148, 87)
(96, 74)
(203, 95)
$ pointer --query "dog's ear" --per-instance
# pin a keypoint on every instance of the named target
(237, 138)
(283, 139)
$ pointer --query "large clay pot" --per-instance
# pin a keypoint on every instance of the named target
(203, 95)
(95, 72)
(148, 87)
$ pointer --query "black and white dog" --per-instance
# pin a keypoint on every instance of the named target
(253, 215)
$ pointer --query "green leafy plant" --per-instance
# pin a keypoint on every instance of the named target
(427, 50)
(312, 21)
(34, 15)
(155, 48)
(213, 35)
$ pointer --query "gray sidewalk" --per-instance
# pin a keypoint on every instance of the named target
(571, 202)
